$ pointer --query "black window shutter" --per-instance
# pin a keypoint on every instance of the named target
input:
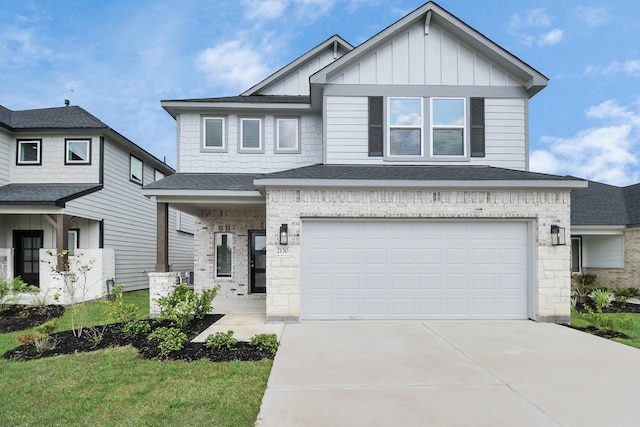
(375, 126)
(477, 127)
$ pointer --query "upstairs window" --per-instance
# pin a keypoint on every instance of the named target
(29, 152)
(78, 151)
(447, 127)
(136, 168)
(250, 134)
(213, 134)
(287, 135)
(405, 126)
(157, 175)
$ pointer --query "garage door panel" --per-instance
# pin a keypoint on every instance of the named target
(414, 269)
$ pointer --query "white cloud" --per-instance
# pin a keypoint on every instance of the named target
(608, 153)
(273, 9)
(264, 9)
(234, 63)
(591, 16)
(551, 38)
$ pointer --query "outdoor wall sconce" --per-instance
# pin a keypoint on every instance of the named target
(557, 235)
(284, 234)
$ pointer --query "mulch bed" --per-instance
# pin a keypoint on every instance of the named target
(113, 336)
(615, 307)
(20, 317)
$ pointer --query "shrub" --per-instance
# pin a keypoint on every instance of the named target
(622, 295)
(178, 306)
(265, 342)
(137, 327)
(221, 339)
(9, 290)
(203, 301)
(117, 310)
(28, 338)
(95, 334)
(45, 343)
(169, 339)
(602, 298)
(47, 328)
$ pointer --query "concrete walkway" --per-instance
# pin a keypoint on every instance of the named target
(244, 316)
(432, 373)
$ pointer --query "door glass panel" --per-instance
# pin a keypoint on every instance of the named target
(260, 281)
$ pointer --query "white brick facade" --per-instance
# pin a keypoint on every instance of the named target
(238, 223)
(551, 271)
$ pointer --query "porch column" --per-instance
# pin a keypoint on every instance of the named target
(162, 224)
(62, 238)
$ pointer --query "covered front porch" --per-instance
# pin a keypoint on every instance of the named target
(229, 233)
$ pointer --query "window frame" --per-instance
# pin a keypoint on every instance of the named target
(131, 177)
(76, 232)
(203, 131)
(579, 240)
(241, 147)
(464, 127)
(66, 151)
(38, 161)
(277, 148)
(229, 236)
(390, 127)
(155, 175)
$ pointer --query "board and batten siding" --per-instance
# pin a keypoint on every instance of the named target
(5, 157)
(297, 81)
(413, 58)
(194, 160)
(347, 133)
(129, 217)
(181, 228)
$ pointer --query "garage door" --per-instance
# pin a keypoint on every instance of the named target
(410, 269)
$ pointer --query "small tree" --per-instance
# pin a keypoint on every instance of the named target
(74, 281)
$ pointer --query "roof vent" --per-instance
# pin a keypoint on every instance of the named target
(66, 102)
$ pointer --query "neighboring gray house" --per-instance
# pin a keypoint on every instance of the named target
(384, 181)
(605, 233)
(69, 181)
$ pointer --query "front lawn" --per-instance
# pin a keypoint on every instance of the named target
(117, 387)
(627, 323)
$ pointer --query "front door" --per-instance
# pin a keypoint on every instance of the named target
(258, 262)
(27, 245)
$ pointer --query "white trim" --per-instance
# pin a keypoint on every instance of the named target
(68, 161)
(464, 128)
(277, 147)
(597, 229)
(36, 162)
(241, 147)
(223, 132)
(389, 127)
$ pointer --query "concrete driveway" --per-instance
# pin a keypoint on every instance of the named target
(437, 373)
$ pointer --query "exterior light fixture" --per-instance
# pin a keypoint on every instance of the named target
(557, 235)
(284, 234)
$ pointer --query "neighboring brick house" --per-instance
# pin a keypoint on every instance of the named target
(605, 233)
(69, 181)
(384, 181)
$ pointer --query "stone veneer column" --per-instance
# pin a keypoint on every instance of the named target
(160, 285)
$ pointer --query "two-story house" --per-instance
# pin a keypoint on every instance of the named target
(384, 181)
(69, 181)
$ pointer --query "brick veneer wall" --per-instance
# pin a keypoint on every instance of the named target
(552, 263)
(238, 223)
(626, 277)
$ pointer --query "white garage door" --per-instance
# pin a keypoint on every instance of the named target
(411, 269)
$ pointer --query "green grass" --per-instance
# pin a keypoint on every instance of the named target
(115, 387)
(628, 323)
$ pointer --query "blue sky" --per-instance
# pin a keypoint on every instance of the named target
(119, 58)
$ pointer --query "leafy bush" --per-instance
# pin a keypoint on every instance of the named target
(265, 342)
(117, 310)
(221, 339)
(169, 339)
(622, 295)
(178, 306)
(182, 304)
(137, 327)
(9, 290)
(47, 328)
(602, 298)
(203, 301)
(95, 334)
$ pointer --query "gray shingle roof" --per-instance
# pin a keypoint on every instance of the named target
(205, 181)
(413, 173)
(252, 99)
(44, 194)
(632, 202)
(71, 117)
(598, 204)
